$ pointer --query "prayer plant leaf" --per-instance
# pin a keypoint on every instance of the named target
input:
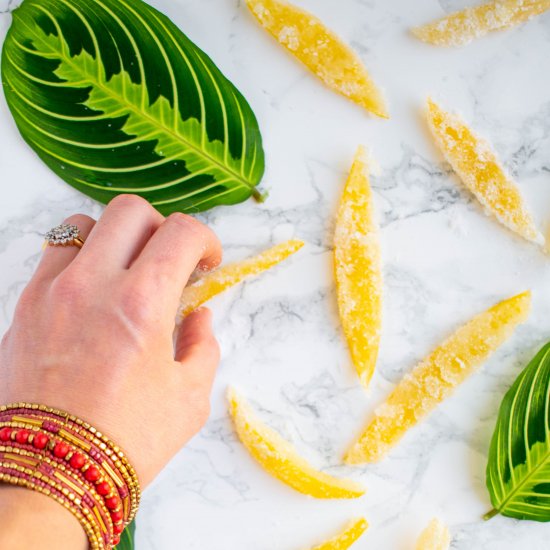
(116, 99)
(127, 541)
(518, 472)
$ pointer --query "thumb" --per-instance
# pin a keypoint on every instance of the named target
(197, 348)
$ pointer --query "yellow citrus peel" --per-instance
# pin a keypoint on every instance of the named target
(462, 27)
(477, 165)
(345, 539)
(225, 277)
(358, 270)
(435, 537)
(435, 378)
(278, 457)
(321, 51)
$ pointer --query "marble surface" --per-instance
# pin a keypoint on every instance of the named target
(282, 346)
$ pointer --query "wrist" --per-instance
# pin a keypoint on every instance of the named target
(31, 520)
(63, 457)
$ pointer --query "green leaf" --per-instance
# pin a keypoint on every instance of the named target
(116, 99)
(127, 538)
(518, 472)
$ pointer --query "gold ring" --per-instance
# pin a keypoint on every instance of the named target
(64, 235)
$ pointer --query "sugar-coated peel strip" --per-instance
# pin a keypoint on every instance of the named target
(346, 538)
(481, 172)
(225, 277)
(435, 537)
(462, 27)
(279, 458)
(436, 377)
(358, 269)
(321, 51)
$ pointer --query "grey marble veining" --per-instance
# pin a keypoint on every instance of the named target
(9, 5)
(444, 261)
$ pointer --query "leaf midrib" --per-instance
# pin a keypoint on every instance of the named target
(525, 481)
(177, 137)
(532, 473)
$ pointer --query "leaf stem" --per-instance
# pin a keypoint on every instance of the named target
(490, 514)
(259, 196)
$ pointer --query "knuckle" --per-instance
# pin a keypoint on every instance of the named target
(76, 219)
(28, 301)
(127, 200)
(30, 298)
(68, 287)
(205, 237)
(187, 223)
(136, 306)
(5, 338)
(184, 220)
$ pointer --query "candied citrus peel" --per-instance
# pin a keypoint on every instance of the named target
(346, 538)
(435, 537)
(321, 51)
(477, 165)
(358, 269)
(462, 27)
(435, 378)
(225, 277)
(279, 458)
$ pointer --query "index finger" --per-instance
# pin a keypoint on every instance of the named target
(176, 249)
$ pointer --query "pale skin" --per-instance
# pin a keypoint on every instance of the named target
(92, 334)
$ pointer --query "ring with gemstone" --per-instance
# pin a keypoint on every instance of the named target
(64, 235)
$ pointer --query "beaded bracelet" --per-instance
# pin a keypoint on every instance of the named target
(61, 456)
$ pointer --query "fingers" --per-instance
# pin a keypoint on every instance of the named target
(56, 258)
(197, 349)
(172, 254)
(120, 234)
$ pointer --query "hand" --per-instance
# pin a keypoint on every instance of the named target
(93, 332)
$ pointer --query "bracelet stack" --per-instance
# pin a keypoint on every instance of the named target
(61, 456)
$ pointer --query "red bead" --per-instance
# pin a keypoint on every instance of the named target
(112, 502)
(61, 449)
(116, 515)
(77, 461)
(103, 488)
(40, 440)
(118, 528)
(22, 436)
(92, 474)
(116, 540)
(5, 434)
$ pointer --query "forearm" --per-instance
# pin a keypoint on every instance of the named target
(31, 520)
(97, 375)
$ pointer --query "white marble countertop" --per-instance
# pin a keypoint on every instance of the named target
(282, 346)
